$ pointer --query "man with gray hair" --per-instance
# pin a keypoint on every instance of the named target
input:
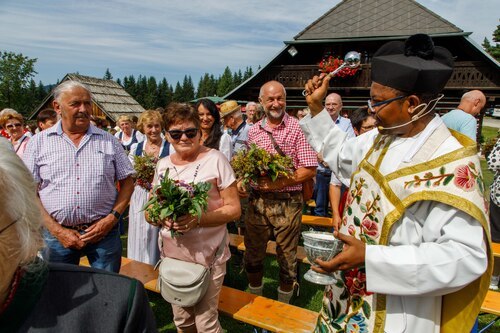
(76, 166)
(463, 118)
(230, 113)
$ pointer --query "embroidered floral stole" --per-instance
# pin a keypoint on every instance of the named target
(376, 202)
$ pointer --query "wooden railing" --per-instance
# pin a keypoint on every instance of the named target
(467, 74)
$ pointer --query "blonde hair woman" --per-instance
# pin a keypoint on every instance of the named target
(127, 134)
(142, 242)
(13, 123)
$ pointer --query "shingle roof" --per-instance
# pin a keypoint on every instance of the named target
(109, 95)
(370, 18)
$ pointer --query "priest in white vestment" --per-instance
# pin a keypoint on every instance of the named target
(416, 255)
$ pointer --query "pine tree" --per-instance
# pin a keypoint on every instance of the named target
(178, 93)
(225, 83)
(493, 50)
(151, 93)
(187, 89)
(107, 75)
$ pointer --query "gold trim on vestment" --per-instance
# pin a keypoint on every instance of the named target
(434, 163)
(459, 309)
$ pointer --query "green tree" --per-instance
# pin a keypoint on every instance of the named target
(164, 93)
(177, 96)
(493, 50)
(107, 75)
(151, 93)
(187, 89)
(225, 83)
(248, 73)
(16, 72)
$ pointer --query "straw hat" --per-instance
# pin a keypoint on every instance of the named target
(229, 107)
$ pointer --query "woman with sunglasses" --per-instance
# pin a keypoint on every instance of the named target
(212, 135)
(201, 238)
(13, 123)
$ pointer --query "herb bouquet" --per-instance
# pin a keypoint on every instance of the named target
(175, 198)
(256, 162)
(144, 170)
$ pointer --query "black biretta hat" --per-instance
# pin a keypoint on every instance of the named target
(415, 66)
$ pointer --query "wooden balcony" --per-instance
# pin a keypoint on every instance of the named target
(466, 75)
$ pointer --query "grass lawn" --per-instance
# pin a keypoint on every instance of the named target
(310, 294)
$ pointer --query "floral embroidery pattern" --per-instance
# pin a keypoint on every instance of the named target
(465, 177)
(368, 223)
(355, 281)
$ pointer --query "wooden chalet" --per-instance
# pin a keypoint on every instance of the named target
(109, 99)
(363, 26)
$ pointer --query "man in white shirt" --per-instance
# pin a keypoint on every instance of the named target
(416, 257)
(333, 105)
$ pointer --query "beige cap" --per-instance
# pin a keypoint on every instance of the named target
(229, 107)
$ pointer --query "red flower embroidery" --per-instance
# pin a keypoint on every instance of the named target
(351, 230)
(370, 227)
(464, 178)
(355, 280)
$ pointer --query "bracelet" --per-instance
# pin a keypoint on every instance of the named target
(115, 214)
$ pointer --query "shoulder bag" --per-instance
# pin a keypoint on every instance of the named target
(184, 283)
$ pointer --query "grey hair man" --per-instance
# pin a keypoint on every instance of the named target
(76, 166)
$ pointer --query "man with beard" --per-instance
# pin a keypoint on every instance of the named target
(275, 208)
(415, 255)
(76, 166)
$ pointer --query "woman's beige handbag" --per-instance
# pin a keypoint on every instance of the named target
(184, 283)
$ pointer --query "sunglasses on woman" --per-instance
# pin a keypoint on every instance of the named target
(177, 134)
(13, 125)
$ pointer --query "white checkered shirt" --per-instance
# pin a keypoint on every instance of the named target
(77, 185)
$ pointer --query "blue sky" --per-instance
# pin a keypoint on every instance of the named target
(174, 38)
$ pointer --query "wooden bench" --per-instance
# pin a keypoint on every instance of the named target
(317, 221)
(251, 309)
(496, 249)
(491, 305)
(237, 242)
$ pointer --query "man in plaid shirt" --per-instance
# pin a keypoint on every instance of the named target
(275, 208)
(76, 166)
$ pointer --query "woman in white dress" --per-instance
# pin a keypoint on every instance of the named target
(212, 135)
(142, 243)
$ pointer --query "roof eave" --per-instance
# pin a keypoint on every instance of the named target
(371, 38)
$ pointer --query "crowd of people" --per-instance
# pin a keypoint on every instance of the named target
(415, 255)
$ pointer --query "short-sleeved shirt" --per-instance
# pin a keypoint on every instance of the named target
(77, 184)
(462, 122)
(200, 244)
(239, 137)
(291, 140)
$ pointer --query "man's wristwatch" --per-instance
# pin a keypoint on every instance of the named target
(115, 214)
